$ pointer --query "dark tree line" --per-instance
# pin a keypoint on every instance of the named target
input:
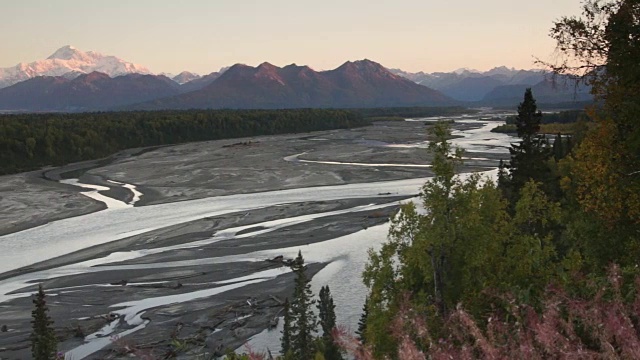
(413, 112)
(562, 117)
(30, 141)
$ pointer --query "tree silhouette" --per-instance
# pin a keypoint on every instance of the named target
(327, 315)
(303, 318)
(528, 158)
(285, 341)
(43, 339)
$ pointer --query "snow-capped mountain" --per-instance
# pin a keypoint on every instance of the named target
(70, 63)
(184, 77)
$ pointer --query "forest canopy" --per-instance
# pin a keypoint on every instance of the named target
(30, 141)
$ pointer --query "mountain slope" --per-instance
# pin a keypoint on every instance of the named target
(473, 85)
(185, 77)
(70, 63)
(546, 91)
(354, 84)
(94, 91)
(471, 88)
(199, 83)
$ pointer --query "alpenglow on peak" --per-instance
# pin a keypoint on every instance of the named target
(70, 62)
(65, 53)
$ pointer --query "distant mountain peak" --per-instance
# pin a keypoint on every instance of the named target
(362, 63)
(472, 85)
(69, 62)
(501, 70)
(185, 77)
(66, 52)
(465, 70)
(267, 67)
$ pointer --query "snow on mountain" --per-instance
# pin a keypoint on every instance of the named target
(70, 63)
(465, 70)
(185, 77)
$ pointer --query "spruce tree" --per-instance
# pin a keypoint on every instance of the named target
(559, 151)
(327, 315)
(302, 315)
(43, 339)
(528, 158)
(362, 324)
(285, 341)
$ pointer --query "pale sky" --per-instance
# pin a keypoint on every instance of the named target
(204, 35)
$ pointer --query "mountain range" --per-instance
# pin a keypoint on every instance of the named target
(72, 80)
(500, 85)
(354, 84)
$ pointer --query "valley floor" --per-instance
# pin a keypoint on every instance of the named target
(176, 243)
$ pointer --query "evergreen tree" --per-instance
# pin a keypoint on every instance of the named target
(528, 158)
(504, 180)
(43, 339)
(302, 315)
(559, 150)
(362, 324)
(327, 315)
(285, 341)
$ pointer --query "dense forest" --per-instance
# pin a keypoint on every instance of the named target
(564, 122)
(413, 112)
(30, 141)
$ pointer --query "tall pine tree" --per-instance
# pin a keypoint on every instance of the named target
(43, 339)
(528, 158)
(362, 324)
(327, 315)
(303, 318)
(285, 341)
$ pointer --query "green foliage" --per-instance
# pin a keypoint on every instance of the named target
(505, 129)
(413, 112)
(30, 141)
(327, 316)
(570, 211)
(562, 117)
(575, 128)
(43, 339)
(386, 118)
(603, 176)
(362, 323)
(531, 261)
(447, 255)
(465, 242)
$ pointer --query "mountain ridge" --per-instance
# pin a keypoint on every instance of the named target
(362, 83)
(87, 92)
